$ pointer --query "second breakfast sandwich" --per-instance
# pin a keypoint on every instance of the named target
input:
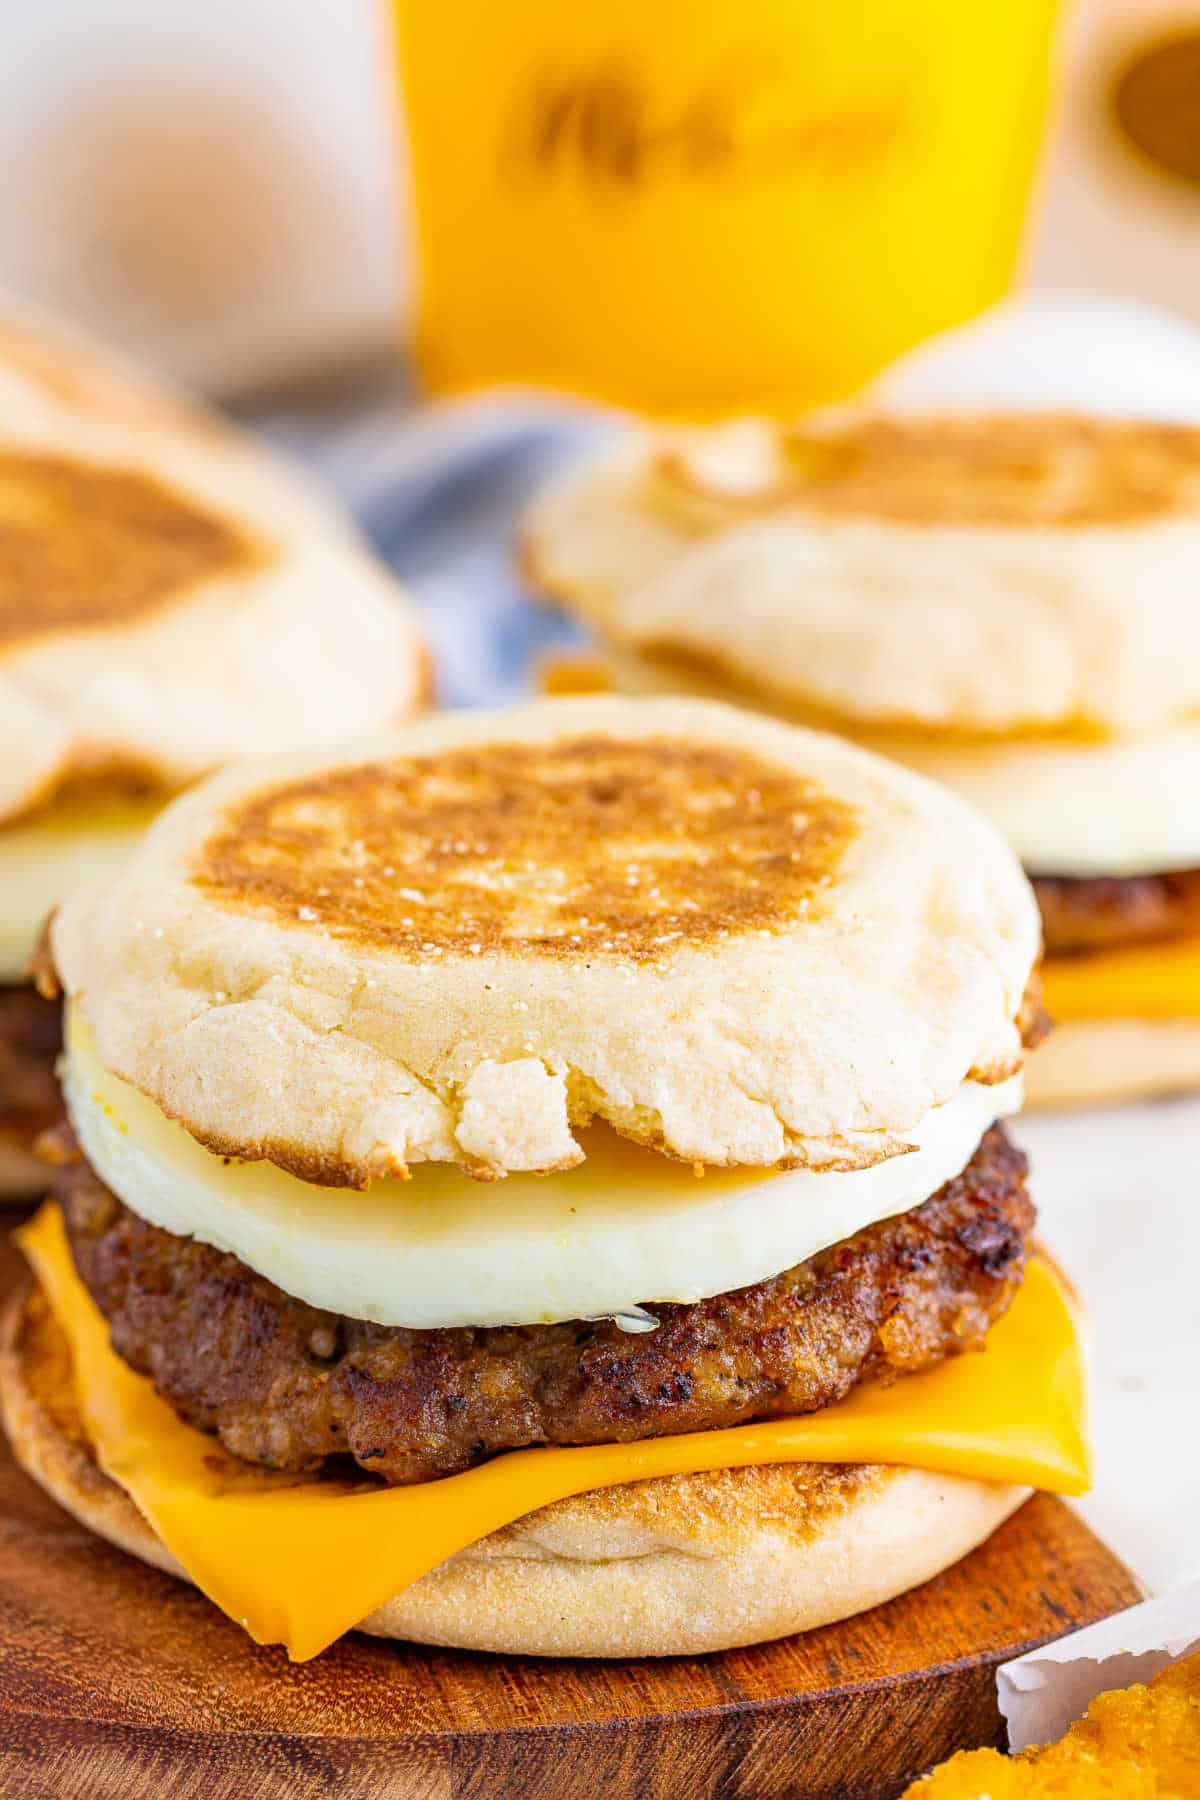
(170, 599)
(1003, 601)
(540, 1173)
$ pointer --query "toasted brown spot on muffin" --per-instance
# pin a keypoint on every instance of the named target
(82, 544)
(589, 846)
(722, 1507)
(1034, 469)
(287, 1385)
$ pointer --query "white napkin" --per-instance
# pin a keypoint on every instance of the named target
(1040, 1694)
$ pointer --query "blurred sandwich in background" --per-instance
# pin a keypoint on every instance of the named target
(169, 599)
(1002, 599)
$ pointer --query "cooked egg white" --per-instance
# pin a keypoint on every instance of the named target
(42, 858)
(1124, 807)
(622, 1228)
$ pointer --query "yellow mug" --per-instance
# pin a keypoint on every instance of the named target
(704, 206)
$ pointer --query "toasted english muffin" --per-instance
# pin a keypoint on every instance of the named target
(170, 598)
(463, 942)
(1094, 1060)
(958, 575)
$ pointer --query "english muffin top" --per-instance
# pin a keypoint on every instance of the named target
(958, 575)
(734, 941)
(169, 598)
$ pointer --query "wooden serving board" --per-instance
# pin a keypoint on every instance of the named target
(118, 1683)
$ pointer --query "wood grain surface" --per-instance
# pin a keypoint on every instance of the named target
(121, 1684)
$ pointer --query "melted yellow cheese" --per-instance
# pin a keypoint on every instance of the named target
(300, 1561)
(1149, 981)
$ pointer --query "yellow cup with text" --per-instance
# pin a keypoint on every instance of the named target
(698, 208)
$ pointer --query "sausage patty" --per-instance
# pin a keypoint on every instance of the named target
(284, 1384)
(30, 1040)
(1103, 912)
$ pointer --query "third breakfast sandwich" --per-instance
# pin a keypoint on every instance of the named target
(169, 599)
(537, 1182)
(1005, 602)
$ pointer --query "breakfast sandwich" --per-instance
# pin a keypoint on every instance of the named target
(1003, 602)
(536, 1182)
(169, 600)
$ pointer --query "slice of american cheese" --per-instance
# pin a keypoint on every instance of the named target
(1147, 981)
(300, 1561)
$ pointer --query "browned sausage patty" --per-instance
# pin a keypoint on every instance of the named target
(1103, 912)
(284, 1384)
(30, 1040)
